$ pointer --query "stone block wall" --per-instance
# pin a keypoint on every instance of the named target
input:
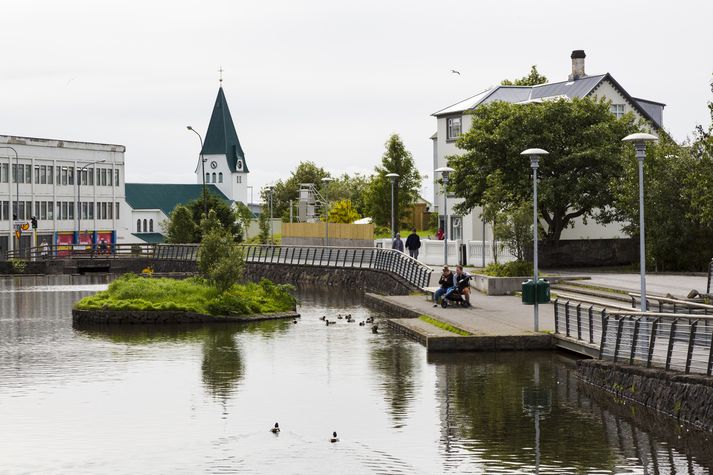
(587, 253)
(686, 397)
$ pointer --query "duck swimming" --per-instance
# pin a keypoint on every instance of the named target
(275, 429)
(334, 438)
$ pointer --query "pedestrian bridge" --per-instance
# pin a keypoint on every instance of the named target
(175, 257)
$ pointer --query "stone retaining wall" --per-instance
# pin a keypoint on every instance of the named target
(369, 280)
(686, 397)
(166, 317)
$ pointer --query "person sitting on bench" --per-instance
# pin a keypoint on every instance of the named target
(446, 282)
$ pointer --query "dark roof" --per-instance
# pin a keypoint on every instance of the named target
(581, 87)
(221, 138)
(166, 196)
(151, 238)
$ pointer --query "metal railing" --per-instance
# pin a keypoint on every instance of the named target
(408, 269)
(673, 341)
(670, 305)
(178, 252)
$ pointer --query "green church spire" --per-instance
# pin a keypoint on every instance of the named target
(221, 137)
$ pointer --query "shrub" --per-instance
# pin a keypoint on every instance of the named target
(18, 266)
(509, 269)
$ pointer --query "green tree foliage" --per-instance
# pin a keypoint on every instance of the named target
(284, 191)
(342, 212)
(583, 139)
(220, 259)
(180, 227)
(396, 159)
(677, 202)
(244, 217)
(532, 79)
(264, 225)
(352, 188)
(224, 212)
(515, 229)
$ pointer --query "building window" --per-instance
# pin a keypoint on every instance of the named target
(240, 179)
(456, 228)
(454, 128)
(150, 225)
(213, 177)
(70, 175)
(43, 174)
(90, 175)
(145, 227)
(117, 211)
(138, 225)
(207, 177)
(617, 110)
(28, 173)
(220, 177)
(3, 173)
(116, 177)
(37, 173)
(109, 176)
(50, 174)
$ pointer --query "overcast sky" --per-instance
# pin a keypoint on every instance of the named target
(321, 80)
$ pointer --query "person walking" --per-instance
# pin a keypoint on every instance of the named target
(413, 243)
(44, 249)
(397, 243)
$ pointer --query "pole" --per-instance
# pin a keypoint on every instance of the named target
(205, 195)
(393, 215)
(641, 154)
(534, 233)
(272, 231)
(445, 220)
(483, 241)
(79, 199)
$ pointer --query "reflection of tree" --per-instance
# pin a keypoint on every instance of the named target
(393, 358)
(222, 365)
(484, 398)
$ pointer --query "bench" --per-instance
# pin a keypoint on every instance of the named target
(429, 292)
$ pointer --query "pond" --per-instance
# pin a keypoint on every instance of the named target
(201, 399)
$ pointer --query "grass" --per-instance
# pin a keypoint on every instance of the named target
(425, 234)
(444, 326)
(131, 292)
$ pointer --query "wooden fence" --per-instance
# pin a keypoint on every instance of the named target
(336, 231)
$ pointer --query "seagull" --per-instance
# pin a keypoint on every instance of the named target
(455, 72)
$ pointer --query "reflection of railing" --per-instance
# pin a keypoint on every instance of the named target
(408, 269)
(674, 341)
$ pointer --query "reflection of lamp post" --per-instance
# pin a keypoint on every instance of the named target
(534, 154)
(393, 177)
(17, 195)
(445, 171)
(536, 402)
(326, 181)
(79, 198)
(639, 141)
(205, 196)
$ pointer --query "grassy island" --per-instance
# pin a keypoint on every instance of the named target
(132, 292)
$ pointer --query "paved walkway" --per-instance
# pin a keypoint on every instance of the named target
(676, 284)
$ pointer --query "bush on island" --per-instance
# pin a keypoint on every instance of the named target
(509, 269)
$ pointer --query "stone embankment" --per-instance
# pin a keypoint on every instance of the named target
(686, 397)
(167, 317)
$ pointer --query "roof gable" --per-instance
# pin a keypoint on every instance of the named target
(221, 137)
(166, 196)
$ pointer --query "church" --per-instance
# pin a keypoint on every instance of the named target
(221, 163)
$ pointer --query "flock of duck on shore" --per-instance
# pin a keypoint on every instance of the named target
(348, 318)
(276, 430)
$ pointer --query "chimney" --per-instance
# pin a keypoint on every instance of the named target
(577, 65)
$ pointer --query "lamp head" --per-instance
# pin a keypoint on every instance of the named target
(327, 179)
(445, 171)
(189, 127)
(392, 176)
(534, 154)
(639, 140)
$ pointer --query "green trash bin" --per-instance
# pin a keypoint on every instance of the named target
(532, 293)
(543, 291)
(528, 292)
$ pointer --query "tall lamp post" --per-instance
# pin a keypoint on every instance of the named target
(79, 198)
(17, 194)
(392, 178)
(639, 140)
(445, 172)
(272, 232)
(326, 181)
(205, 196)
(534, 154)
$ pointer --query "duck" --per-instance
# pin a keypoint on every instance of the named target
(339, 317)
(294, 321)
(327, 322)
(361, 324)
(323, 317)
(334, 438)
(275, 429)
(369, 319)
(375, 329)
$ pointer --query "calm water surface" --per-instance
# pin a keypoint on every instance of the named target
(202, 400)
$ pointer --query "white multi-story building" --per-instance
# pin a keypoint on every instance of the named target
(74, 190)
(455, 119)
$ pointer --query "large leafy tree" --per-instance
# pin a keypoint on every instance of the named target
(284, 191)
(583, 139)
(532, 79)
(186, 227)
(180, 227)
(342, 212)
(396, 159)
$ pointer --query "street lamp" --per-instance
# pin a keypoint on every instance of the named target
(639, 141)
(17, 195)
(79, 199)
(272, 233)
(445, 171)
(393, 177)
(326, 181)
(534, 154)
(205, 197)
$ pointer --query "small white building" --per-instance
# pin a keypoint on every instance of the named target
(453, 120)
(74, 190)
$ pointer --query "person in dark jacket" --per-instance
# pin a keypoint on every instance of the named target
(413, 244)
(397, 243)
(446, 282)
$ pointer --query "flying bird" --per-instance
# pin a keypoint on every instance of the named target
(455, 72)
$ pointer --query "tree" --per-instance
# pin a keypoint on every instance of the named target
(532, 79)
(342, 212)
(352, 188)
(220, 259)
(515, 229)
(283, 192)
(583, 139)
(244, 217)
(180, 227)
(263, 222)
(224, 213)
(396, 159)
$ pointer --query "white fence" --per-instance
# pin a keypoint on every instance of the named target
(431, 252)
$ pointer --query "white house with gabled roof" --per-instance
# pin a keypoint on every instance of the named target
(453, 120)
